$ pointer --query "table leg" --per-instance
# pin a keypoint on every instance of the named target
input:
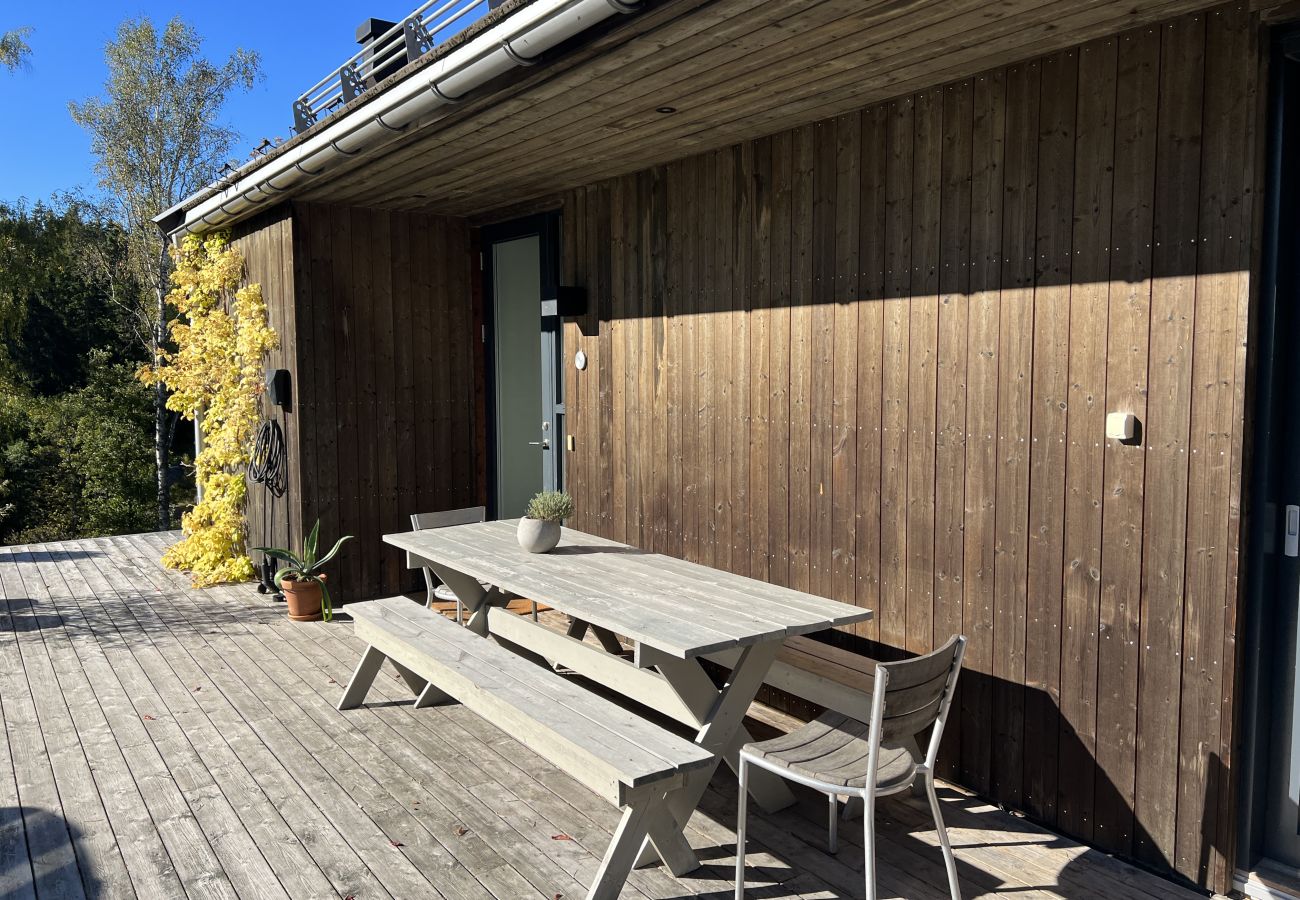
(471, 594)
(578, 630)
(722, 732)
(607, 640)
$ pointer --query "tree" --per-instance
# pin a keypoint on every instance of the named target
(157, 138)
(59, 264)
(13, 48)
(76, 447)
(77, 464)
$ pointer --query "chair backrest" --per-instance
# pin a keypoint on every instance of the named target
(444, 519)
(448, 517)
(914, 694)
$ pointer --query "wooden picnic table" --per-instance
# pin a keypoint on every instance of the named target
(674, 612)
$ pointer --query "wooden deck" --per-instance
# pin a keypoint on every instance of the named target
(165, 742)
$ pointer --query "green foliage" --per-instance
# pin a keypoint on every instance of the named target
(156, 130)
(307, 567)
(14, 49)
(76, 455)
(550, 506)
(77, 464)
(62, 279)
(157, 134)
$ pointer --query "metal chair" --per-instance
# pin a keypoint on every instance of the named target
(841, 756)
(444, 519)
(422, 521)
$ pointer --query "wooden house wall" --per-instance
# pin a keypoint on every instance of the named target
(872, 358)
(386, 384)
(266, 243)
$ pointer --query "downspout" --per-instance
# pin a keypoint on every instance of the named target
(516, 41)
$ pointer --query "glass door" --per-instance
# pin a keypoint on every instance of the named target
(526, 421)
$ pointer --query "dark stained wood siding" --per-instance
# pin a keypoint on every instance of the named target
(872, 357)
(374, 313)
(266, 243)
(386, 381)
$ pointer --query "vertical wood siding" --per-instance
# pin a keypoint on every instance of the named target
(387, 380)
(383, 422)
(872, 358)
(266, 243)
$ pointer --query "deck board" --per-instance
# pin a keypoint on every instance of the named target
(160, 741)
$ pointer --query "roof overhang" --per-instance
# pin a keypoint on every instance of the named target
(682, 77)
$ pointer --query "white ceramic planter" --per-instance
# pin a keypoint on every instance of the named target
(538, 535)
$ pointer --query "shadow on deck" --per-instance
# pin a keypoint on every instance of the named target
(175, 742)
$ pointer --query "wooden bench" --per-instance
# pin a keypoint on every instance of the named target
(630, 761)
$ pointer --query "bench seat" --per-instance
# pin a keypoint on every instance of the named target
(614, 752)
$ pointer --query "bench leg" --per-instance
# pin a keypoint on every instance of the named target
(413, 681)
(431, 695)
(622, 852)
(669, 843)
(362, 678)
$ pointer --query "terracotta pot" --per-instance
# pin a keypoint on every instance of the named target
(538, 535)
(303, 598)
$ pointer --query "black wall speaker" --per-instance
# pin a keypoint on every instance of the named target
(277, 387)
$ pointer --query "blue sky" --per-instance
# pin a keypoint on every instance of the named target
(43, 151)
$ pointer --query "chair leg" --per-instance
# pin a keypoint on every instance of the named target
(869, 843)
(833, 844)
(741, 812)
(949, 860)
(460, 612)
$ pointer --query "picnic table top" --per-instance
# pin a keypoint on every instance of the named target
(680, 608)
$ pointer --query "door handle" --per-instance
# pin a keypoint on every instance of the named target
(545, 444)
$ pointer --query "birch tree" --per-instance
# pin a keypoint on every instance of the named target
(13, 48)
(157, 136)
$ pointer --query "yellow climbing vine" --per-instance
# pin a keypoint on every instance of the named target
(221, 337)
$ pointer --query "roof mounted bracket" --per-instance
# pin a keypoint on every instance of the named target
(418, 39)
(303, 117)
(622, 6)
(351, 83)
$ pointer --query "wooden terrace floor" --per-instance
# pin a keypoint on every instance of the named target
(159, 741)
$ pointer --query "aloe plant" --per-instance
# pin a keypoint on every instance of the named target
(307, 567)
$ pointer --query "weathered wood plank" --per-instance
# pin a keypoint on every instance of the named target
(1165, 434)
(1048, 408)
(1085, 430)
(922, 384)
(801, 359)
(1225, 218)
(870, 352)
(1127, 342)
(895, 367)
(950, 400)
(844, 379)
(781, 359)
(1014, 405)
(760, 358)
(983, 360)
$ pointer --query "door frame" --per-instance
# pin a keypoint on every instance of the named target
(546, 227)
(1267, 421)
